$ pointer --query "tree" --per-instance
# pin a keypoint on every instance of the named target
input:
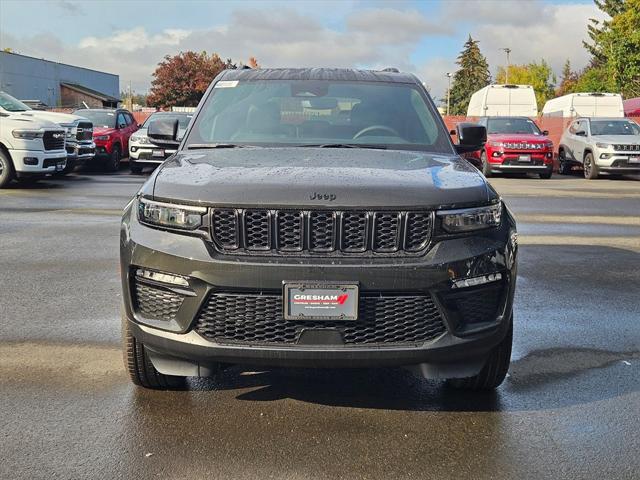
(182, 79)
(615, 48)
(472, 75)
(539, 75)
(569, 80)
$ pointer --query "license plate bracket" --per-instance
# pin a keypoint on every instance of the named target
(634, 159)
(524, 158)
(317, 300)
(157, 153)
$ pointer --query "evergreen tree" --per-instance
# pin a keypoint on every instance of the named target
(568, 82)
(472, 75)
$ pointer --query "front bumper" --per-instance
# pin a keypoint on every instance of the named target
(177, 348)
(618, 162)
(43, 162)
(508, 162)
(144, 154)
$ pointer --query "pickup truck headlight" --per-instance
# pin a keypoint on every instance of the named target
(183, 217)
(141, 140)
(471, 219)
(27, 134)
(102, 137)
(606, 146)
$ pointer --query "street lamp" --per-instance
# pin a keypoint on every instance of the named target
(506, 72)
(448, 93)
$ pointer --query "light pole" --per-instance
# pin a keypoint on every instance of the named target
(506, 72)
(448, 93)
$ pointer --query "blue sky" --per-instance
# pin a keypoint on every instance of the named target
(130, 37)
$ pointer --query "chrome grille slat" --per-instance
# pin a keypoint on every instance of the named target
(320, 232)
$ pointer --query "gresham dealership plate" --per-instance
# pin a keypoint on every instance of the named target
(320, 301)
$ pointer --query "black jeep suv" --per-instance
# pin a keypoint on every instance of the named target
(317, 218)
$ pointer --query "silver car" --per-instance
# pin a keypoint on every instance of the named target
(142, 152)
(610, 145)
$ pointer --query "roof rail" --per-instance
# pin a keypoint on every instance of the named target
(391, 69)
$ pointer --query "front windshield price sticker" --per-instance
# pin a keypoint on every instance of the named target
(226, 84)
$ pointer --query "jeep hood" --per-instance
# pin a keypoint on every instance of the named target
(319, 177)
(516, 137)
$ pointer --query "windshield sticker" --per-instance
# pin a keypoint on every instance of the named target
(226, 84)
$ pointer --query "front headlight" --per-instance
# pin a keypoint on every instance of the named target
(141, 140)
(27, 134)
(471, 219)
(102, 137)
(496, 144)
(184, 217)
(606, 146)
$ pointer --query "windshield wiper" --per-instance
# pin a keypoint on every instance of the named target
(197, 146)
(344, 145)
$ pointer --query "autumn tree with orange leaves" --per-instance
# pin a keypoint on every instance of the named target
(182, 79)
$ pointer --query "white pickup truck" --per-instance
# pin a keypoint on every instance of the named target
(79, 131)
(30, 148)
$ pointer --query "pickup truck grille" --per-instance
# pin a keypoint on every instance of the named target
(84, 132)
(54, 139)
(256, 318)
(256, 231)
(626, 148)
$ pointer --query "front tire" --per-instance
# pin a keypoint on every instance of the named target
(495, 369)
(139, 366)
(135, 168)
(564, 167)
(591, 170)
(6, 169)
(113, 163)
(486, 168)
(546, 175)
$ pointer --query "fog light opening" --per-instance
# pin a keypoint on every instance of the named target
(162, 277)
(475, 281)
(30, 160)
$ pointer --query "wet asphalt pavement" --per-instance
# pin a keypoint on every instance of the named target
(570, 407)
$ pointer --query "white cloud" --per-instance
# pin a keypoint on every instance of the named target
(372, 38)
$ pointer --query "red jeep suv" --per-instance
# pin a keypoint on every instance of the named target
(111, 132)
(514, 144)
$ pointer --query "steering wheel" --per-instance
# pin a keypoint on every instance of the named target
(373, 128)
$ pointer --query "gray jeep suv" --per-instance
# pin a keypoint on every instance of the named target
(317, 218)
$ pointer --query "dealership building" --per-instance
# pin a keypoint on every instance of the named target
(46, 83)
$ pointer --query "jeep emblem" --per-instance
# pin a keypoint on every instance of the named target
(323, 196)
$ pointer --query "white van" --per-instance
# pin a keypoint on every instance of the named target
(585, 105)
(503, 101)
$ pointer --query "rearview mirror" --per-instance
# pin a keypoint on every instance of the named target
(471, 137)
(163, 131)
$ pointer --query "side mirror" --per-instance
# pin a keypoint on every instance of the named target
(452, 132)
(122, 125)
(471, 137)
(545, 133)
(163, 132)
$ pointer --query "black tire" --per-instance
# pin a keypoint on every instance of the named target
(139, 366)
(494, 371)
(546, 175)
(590, 168)
(484, 163)
(135, 168)
(564, 166)
(6, 169)
(113, 163)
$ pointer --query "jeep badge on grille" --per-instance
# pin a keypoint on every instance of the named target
(323, 196)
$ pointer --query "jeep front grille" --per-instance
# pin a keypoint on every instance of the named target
(288, 232)
(256, 318)
(627, 148)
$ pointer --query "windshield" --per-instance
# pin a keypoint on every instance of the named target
(614, 127)
(183, 120)
(512, 125)
(11, 104)
(310, 112)
(99, 118)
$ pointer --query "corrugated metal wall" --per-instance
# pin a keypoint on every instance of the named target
(30, 78)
